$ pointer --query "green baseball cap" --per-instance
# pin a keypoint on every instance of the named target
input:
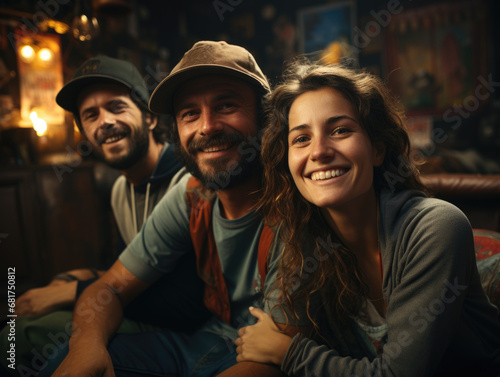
(101, 69)
(208, 57)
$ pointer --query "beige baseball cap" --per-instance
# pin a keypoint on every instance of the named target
(208, 57)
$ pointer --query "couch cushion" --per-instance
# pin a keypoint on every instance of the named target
(487, 246)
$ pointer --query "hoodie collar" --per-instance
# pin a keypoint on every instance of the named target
(166, 167)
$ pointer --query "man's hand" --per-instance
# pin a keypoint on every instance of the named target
(86, 360)
(58, 294)
(262, 342)
(40, 301)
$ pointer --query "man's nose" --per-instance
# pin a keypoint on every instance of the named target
(210, 123)
(106, 120)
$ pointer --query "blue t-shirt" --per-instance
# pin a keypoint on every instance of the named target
(165, 237)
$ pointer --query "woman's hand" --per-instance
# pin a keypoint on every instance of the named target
(262, 342)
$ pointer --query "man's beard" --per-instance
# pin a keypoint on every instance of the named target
(221, 173)
(139, 146)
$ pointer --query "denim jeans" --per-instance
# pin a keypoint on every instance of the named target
(161, 353)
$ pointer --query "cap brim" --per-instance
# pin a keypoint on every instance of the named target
(161, 101)
(68, 95)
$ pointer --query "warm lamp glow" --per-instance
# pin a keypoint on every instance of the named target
(58, 26)
(27, 53)
(45, 55)
(85, 28)
(39, 124)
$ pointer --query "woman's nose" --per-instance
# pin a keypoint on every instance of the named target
(321, 149)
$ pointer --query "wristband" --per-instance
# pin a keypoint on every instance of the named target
(65, 277)
(94, 272)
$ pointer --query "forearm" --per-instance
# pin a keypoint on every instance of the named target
(290, 331)
(97, 315)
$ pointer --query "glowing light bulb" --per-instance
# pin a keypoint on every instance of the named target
(45, 55)
(27, 53)
(39, 124)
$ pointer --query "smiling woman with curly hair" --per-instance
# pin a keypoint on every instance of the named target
(394, 270)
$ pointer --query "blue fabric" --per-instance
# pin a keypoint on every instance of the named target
(162, 353)
(166, 237)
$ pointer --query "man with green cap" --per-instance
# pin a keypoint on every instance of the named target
(108, 98)
(215, 93)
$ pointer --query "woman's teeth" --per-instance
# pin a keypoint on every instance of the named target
(327, 174)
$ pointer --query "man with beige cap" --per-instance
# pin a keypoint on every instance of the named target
(215, 93)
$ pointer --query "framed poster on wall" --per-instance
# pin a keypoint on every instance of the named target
(327, 31)
(436, 55)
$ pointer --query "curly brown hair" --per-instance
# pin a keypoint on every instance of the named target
(336, 275)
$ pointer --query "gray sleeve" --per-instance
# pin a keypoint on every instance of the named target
(163, 239)
(424, 308)
(306, 358)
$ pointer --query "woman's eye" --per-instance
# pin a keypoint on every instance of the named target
(341, 131)
(300, 140)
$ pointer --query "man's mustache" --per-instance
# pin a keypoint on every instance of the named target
(102, 134)
(225, 138)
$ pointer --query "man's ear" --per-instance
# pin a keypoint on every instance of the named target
(378, 153)
(151, 119)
